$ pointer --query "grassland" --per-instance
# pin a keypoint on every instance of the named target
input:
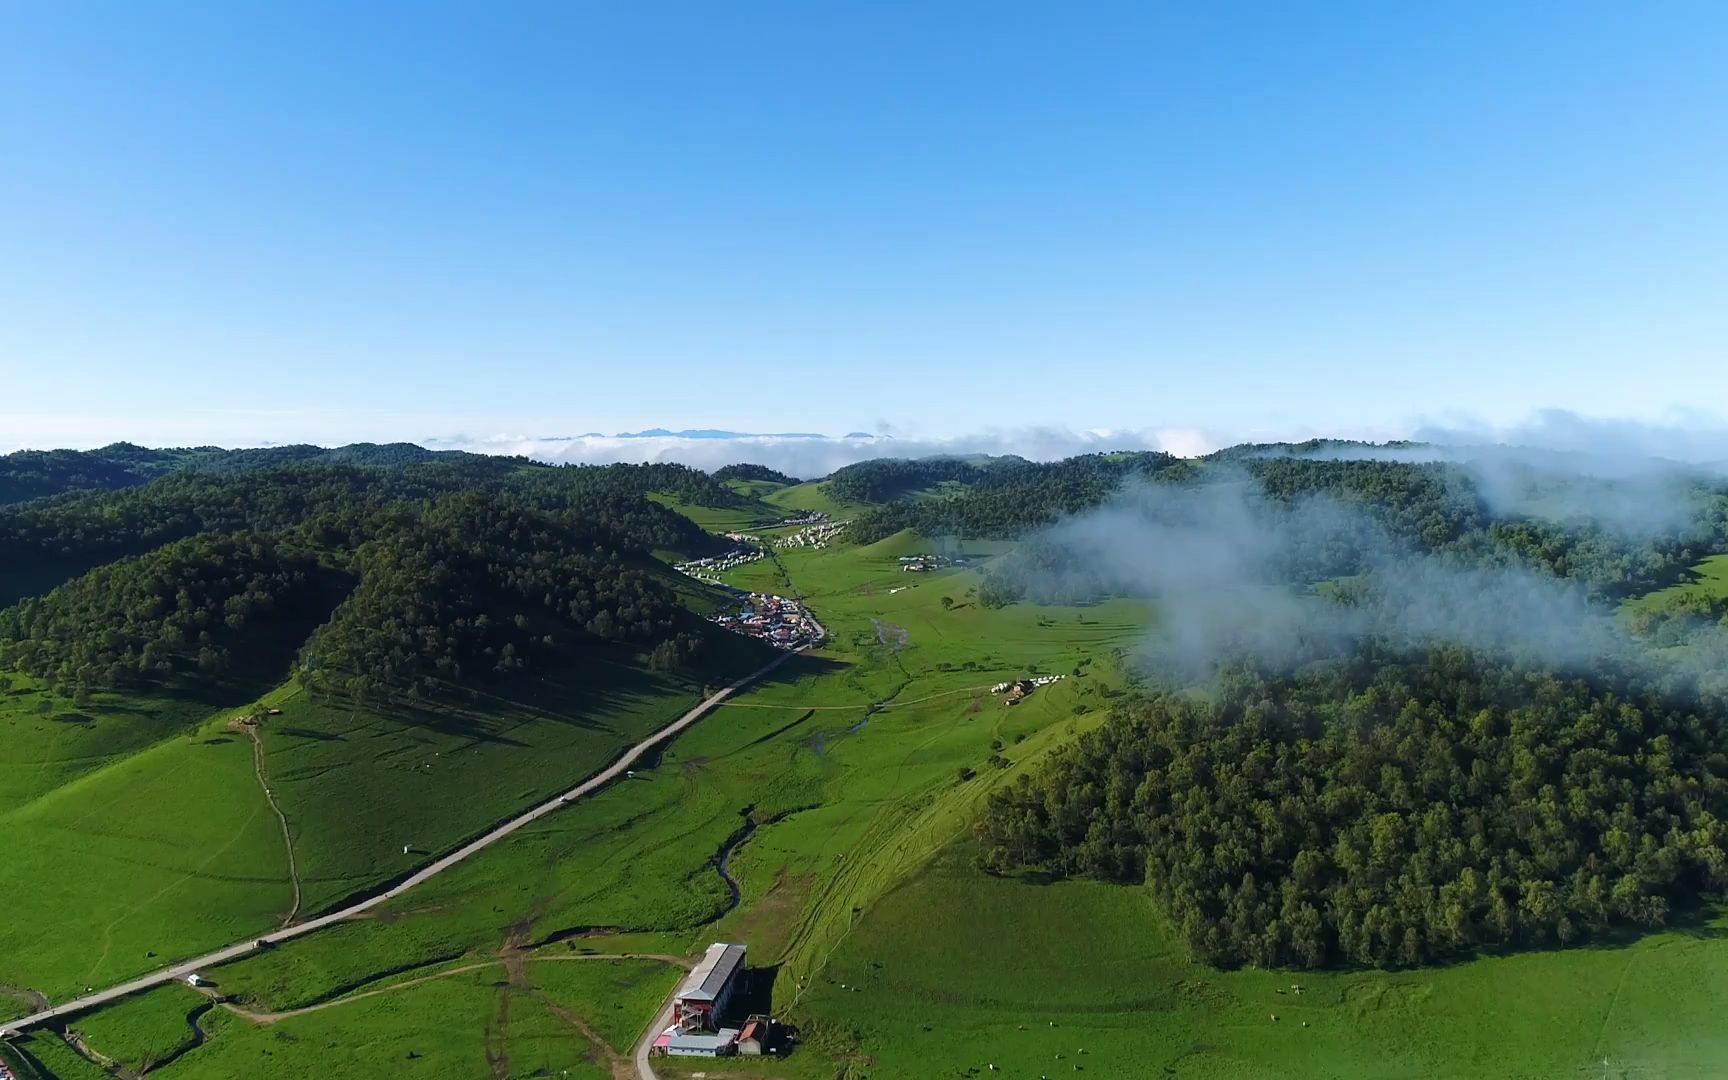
(861, 769)
(766, 503)
(957, 970)
(848, 765)
(169, 849)
(44, 1056)
(475, 1024)
(149, 1030)
(1708, 579)
(140, 830)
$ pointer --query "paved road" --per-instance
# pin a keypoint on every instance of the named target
(179, 972)
(662, 1020)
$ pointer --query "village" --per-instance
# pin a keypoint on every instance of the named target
(816, 535)
(708, 570)
(779, 621)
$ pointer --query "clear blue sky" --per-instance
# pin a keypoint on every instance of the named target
(327, 221)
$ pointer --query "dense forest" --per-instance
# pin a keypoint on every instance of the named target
(478, 587)
(34, 474)
(1389, 809)
(885, 479)
(1003, 498)
(424, 571)
(339, 504)
(747, 471)
(178, 609)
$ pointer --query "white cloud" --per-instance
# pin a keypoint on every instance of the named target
(1690, 436)
(820, 455)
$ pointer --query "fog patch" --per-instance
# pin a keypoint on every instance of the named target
(1235, 574)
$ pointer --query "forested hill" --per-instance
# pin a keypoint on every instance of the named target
(1390, 508)
(35, 474)
(401, 580)
(746, 471)
(1390, 809)
(1002, 497)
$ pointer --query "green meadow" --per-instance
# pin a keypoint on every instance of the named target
(164, 846)
(843, 790)
(1706, 579)
(955, 971)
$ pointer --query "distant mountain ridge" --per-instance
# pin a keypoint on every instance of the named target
(717, 433)
(35, 474)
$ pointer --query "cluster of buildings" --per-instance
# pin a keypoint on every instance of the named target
(775, 619)
(808, 517)
(814, 536)
(699, 1008)
(1016, 690)
(707, 569)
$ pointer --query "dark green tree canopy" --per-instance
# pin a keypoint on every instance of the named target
(1390, 810)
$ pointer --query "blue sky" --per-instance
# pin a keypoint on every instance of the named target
(330, 221)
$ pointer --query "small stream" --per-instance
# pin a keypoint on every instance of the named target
(725, 857)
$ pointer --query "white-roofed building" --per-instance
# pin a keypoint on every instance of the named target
(676, 1042)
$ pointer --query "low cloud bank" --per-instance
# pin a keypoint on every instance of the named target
(1634, 478)
(811, 456)
(1604, 446)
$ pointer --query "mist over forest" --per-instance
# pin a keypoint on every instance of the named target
(1281, 558)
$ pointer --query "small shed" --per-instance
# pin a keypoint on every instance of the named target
(753, 1037)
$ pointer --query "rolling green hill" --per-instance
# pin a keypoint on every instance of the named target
(468, 638)
(267, 684)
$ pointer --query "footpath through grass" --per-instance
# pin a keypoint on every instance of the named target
(138, 832)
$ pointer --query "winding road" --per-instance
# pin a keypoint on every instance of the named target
(180, 971)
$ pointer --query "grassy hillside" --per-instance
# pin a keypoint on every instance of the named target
(848, 766)
(244, 726)
(842, 796)
(860, 873)
(957, 970)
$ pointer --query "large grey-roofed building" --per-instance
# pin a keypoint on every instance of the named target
(707, 989)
